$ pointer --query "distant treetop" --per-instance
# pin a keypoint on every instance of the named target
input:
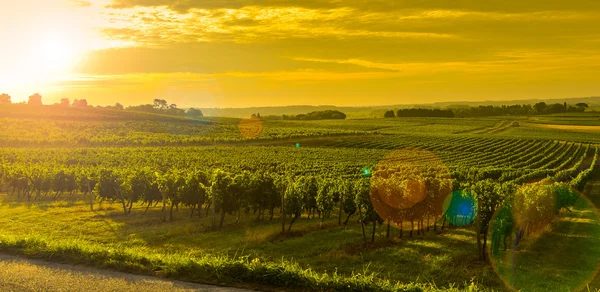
(35, 99)
(5, 99)
(318, 115)
(193, 112)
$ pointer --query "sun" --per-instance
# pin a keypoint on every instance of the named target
(55, 54)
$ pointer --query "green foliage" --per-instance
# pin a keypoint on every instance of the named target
(324, 199)
(318, 115)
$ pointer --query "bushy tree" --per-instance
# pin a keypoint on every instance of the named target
(540, 107)
(65, 102)
(80, 103)
(193, 112)
(160, 104)
(5, 99)
(35, 99)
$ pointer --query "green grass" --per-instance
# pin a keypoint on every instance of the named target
(245, 254)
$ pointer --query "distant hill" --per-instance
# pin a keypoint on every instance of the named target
(378, 111)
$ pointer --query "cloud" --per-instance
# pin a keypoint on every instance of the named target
(147, 26)
(369, 6)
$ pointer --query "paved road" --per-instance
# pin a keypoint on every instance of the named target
(19, 274)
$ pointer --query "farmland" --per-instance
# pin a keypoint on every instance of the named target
(202, 200)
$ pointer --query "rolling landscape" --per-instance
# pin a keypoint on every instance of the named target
(386, 204)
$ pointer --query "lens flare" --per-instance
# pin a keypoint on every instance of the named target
(460, 208)
(410, 185)
(366, 172)
(545, 239)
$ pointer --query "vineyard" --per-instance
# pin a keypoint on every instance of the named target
(371, 186)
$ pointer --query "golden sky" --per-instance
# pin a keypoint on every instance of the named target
(237, 53)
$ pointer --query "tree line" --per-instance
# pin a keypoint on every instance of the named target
(539, 108)
(317, 115)
(159, 106)
(420, 112)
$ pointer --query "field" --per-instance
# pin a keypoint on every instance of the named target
(203, 200)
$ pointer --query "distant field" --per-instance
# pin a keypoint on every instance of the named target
(575, 128)
(575, 119)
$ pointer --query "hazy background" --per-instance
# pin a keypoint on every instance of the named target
(239, 53)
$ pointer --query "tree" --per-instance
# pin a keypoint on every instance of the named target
(35, 99)
(65, 102)
(540, 107)
(389, 114)
(160, 104)
(192, 112)
(118, 106)
(318, 115)
(582, 106)
(80, 103)
(5, 99)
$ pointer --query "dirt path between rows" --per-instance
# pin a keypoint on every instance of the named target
(577, 128)
(19, 274)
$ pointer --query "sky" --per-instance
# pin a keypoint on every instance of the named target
(240, 53)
